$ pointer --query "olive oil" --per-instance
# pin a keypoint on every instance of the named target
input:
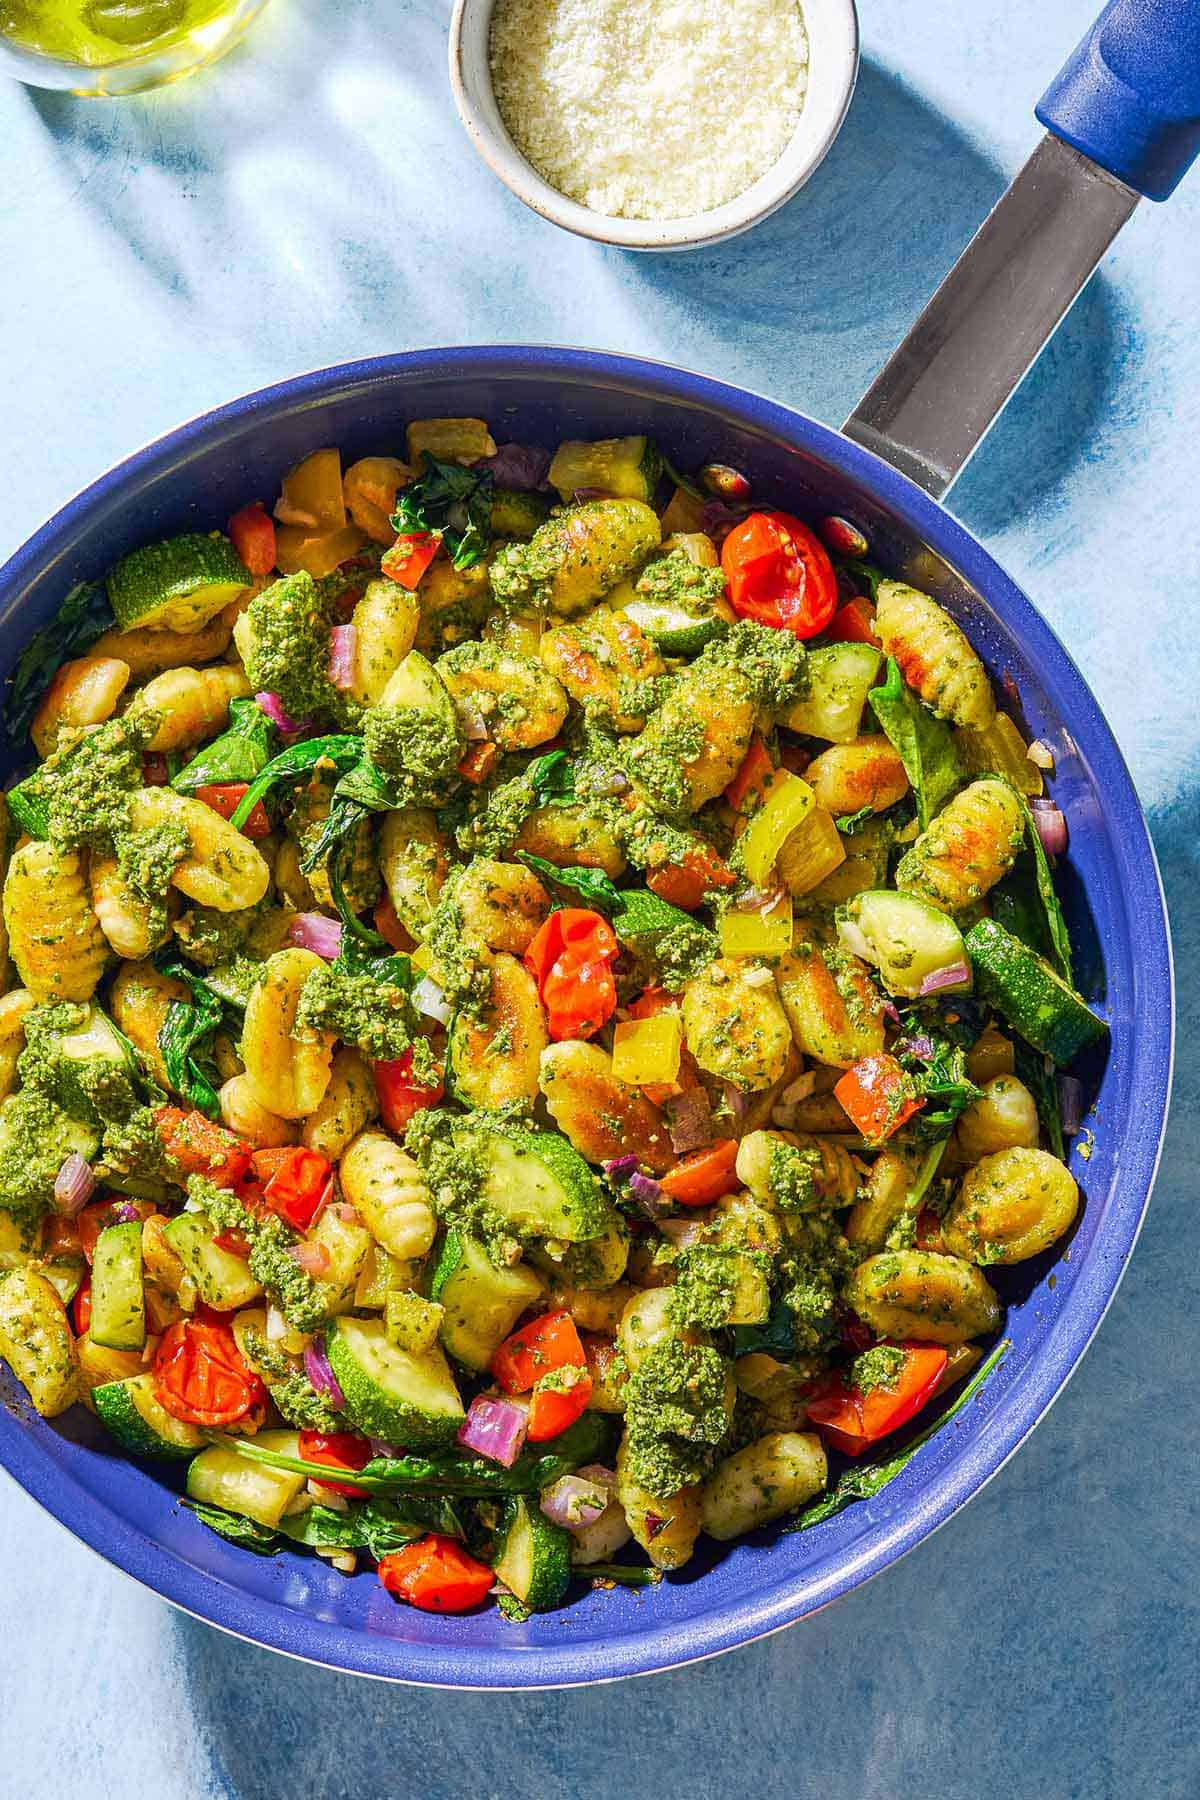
(166, 38)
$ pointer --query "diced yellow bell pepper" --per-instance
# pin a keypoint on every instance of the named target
(766, 933)
(426, 963)
(647, 1051)
(318, 553)
(312, 495)
(999, 749)
(788, 803)
(813, 851)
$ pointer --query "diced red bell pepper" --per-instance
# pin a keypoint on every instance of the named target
(854, 623)
(252, 533)
(337, 1450)
(410, 556)
(400, 1096)
(558, 1399)
(225, 798)
(300, 1188)
(548, 1342)
(688, 883)
(876, 1096)
(704, 1176)
(479, 762)
(198, 1147)
(851, 1420)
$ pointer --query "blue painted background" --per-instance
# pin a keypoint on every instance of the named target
(313, 199)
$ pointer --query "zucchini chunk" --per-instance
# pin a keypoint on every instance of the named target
(1026, 992)
(535, 1555)
(132, 1415)
(392, 1393)
(481, 1302)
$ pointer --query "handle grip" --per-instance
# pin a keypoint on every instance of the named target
(1129, 96)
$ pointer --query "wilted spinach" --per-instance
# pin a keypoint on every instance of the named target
(454, 501)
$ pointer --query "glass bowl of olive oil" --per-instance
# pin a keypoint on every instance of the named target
(117, 46)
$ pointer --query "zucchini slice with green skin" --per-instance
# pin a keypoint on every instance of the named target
(220, 1477)
(676, 631)
(130, 1412)
(118, 1320)
(540, 1186)
(903, 936)
(535, 1555)
(391, 1393)
(1029, 996)
(840, 676)
(179, 585)
(222, 1279)
(621, 468)
(518, 515)
(481, 1302)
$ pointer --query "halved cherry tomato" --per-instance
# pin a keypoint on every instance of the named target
(410, 556)
(60, 1237)
(851, 1420)
(224, 798)
(702, 1177)
(81, 1307)
(929, 1230)
(876, 1096)
(749, 784)
(548, 1342)
(198, 1147)
(300, 1188)
(687, 883)
(235, 1242)
(778, 573)
(387, 924)
(652, 1001)
(337, 1450)
(571, 960)
(252, 532)
(400, 1096)
(200, 1375)
(557, 1401)
(436, 1575)
(854, 623)
(479, 762)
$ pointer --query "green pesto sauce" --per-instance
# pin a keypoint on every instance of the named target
(876, 1368)
(417, 749)
(675, 1415)
(447, 1150)
(290, 623)
(134, 1146)
(792, 1177)
(705, 1286)
(676, 579)
(96, 1089)
(302, 1406)
(817, 1262)
(296, 1294)
(657, 761)
(773, 663)
(463, 967)
(376, 1016)
(88, 786)
(36, 1137)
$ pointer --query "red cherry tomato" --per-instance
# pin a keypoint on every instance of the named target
(436, 1575)
(548, 1342)
(778, 573)
(200, 1376)
(400, 1096)
(299, 1188)
(253, 534)
(850, 1420)
(337, 1450)
(571, 960)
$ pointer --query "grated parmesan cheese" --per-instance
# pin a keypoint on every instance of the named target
(650, 109)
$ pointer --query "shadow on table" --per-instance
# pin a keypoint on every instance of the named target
(300, 163)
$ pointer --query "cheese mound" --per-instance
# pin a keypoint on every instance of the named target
(650, 109)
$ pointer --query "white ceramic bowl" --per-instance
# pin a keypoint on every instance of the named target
(832, 27)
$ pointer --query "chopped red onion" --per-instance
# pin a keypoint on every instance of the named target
(312, 1258)
(349, 1215)
(313, 931)
(648, 1194)
(957, 975)
(1070, 1104)
(573, 1502)
(621, 1167)
(689, 1120)
(919, 1046)
(522, 468)
(1051, 826)
(590, 493)
(126, 1213)
(757, 900)
(719, 518)
(381, 1447)
(73, 1185)
(683, 1233)
(891, 1012)
(429, 1000)
(800, 1089)
(597, 1472)
(735, 1101)
(273, 707)
(495, 1428)
(474, 725)
(343, 641)
(316, 1367)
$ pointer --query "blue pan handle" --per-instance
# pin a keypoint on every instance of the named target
(1129, 96)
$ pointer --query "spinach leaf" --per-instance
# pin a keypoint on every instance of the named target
(667, 468)
(239, 754)
(1037, 1072)
(83, 617)
(454, 501)
(239, 1530)
(939, 1074)
(394, 967)
(776, 1337)
(590, 885)
(185, 1038)
(377, 1526)
(865, 574)
(340, 750)
(1056, 924)
(923, 742)
(1016, 904)
(862, 1484)
(552, 778)
(849, 823)
(623, 1574)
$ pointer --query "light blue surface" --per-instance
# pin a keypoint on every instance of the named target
(312, 200)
